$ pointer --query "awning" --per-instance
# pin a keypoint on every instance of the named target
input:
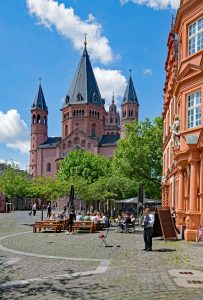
(135, 201)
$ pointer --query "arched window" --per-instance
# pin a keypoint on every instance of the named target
(79, 97)
(48, 167)
(112, 133)
(64, 145)
(33, 119)
(69, 144)
(88, 145)
(90, 113)
(74, 113)
(80, 113)
(98, 115)
(38, 119)
(93, 130)
(76, 140)
(68, 114)
(66, 130)
(83, 113)
(83, 143)
(45, 120)
(111, 120)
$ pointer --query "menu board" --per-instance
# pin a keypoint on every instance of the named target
(166, 222)
(157, 226)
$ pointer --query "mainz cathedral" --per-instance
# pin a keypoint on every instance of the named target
(85, 122)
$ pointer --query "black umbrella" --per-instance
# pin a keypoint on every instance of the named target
(71, 195)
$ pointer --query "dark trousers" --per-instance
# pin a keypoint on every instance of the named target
(70, 226)
(34, 212)
(148, 232)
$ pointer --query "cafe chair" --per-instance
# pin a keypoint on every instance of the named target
(103, 238)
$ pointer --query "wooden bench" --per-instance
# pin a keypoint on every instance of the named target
(50, 224)
(85, 225)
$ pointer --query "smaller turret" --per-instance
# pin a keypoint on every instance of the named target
(39, 128)
(130, 105)
(112, 119)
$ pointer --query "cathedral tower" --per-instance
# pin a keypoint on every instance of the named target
(83, 108)
(129, 106)
(39, 128)
(112, 124)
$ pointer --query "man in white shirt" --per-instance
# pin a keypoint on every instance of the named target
(148, 230)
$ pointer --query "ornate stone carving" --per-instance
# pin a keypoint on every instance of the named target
(175, 130)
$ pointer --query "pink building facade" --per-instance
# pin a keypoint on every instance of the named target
(182, 180)
(85, 123)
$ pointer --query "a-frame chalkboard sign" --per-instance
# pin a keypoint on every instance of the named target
(166, 222)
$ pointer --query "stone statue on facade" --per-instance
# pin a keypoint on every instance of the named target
(175, 130)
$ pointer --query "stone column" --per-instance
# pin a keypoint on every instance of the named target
(181, 190)
(193, 186)
(201, 188)
(193, 216)
(180, 208)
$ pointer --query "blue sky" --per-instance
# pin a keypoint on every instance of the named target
(44, 38)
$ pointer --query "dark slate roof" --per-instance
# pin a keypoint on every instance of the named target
(130, 94)
(51, 142)
(110, 139)
(84, 88)
(39, 101)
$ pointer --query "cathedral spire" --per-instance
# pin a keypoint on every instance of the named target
(84, 88)
(39, 101)
(113, 99)
(130, 94)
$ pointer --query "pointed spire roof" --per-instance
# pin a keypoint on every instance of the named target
(130, 94)
(39, 101)
(84, 88)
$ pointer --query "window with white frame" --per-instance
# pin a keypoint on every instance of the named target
(194, 109)
(195, 35)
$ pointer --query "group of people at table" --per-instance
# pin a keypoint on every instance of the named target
(96, 218)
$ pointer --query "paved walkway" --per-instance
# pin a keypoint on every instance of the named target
(59, 266)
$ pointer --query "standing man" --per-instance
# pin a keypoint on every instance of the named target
(49, 210)
(34, 209)
(148, 229)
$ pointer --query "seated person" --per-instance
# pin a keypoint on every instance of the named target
(87, 217)
(78, 217)
(104, 220)
(53, 216)
(93, 218)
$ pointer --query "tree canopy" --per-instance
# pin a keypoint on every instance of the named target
(139, 155)
(14, 183)
(83, 164)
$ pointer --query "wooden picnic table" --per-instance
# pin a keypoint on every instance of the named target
(85, 225)
(47, 224)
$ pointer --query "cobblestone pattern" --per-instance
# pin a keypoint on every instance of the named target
(132, 274)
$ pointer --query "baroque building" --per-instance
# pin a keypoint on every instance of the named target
(85, 123)
(182, 181)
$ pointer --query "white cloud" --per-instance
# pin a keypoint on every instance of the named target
(147, 72)
(13, 131)
(69, 25)
(110, 81)
(156, 4)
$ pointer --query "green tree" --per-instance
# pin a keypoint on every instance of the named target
(48, 189)
(139, 155)
(14, 183)
(115, 187)
(84, 164)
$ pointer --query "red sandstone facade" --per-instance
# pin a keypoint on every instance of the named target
(182, 179)
(85, 123)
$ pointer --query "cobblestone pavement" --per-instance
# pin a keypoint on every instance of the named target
(131, 274)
